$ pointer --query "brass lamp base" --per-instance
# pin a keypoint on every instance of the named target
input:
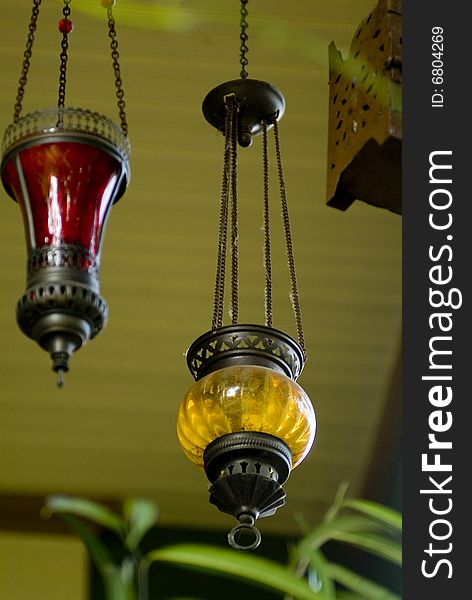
(247, 470)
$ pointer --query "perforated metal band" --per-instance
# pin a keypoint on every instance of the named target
(252, 447)
(245, 345)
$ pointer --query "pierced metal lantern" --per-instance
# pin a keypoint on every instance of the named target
(365, 114)
(65, 167)
(246, 421)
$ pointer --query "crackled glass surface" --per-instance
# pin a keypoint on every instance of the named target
(246, 398)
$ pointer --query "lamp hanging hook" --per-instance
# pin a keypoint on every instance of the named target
(245, 531)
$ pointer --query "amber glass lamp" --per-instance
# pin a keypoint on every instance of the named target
(245, 420)
(246, 399)
(65, 167)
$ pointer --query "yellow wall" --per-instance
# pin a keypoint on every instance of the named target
(42, 567)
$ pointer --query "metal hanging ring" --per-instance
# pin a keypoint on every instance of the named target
(246, 528)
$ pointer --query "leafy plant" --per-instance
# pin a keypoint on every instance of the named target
(374, 528)
(120, 576)
(309, 575)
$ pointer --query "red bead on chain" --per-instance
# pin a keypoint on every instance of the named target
(107, 3)
(65, 26)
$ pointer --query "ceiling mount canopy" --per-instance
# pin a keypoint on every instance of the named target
(258, 102)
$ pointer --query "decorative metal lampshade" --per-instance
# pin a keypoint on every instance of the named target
(65, 167)
(365, 114)
(246, 421)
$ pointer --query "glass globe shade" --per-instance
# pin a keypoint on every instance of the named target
(246, 398)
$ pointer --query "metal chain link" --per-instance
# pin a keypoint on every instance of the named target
(288, 242)
(229, 196)
(117, 70)
(244, 38)
(26, 60)
(234, 217)
(217, 320)
(61, 97)
(266, 227)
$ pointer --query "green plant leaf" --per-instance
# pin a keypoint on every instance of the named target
(360, 585)
(127, 571)
(335, 507)
(326, 531)
(302, 523)
(376, 544)
(320, 565)
(117, 589)
(81, 507)
(140, 515)
(97, 550)
(384, 514)
(229, 563)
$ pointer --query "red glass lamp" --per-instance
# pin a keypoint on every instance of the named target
(65, 167)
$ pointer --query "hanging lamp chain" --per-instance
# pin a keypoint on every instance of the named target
(26, 60)
(243, 60)
(228, 216)
(266, 228)
(229, 212)
(234, 307)
(64, 56)
(218, 306)
(294, 295)
(117, 70)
